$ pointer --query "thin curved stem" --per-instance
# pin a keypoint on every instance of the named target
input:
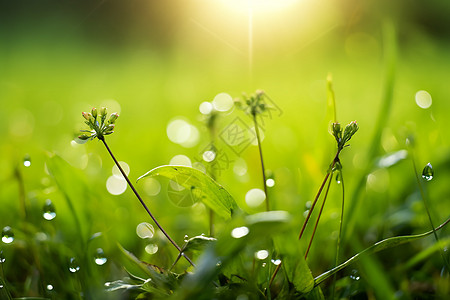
(262, 162)
(144, 205)
(335, 160)
(338, 246)
(320, 213)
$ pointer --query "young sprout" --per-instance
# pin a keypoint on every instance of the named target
(101, 128)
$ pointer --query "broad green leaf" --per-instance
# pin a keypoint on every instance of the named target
(197, 243)
(201, 187)
(381, 245)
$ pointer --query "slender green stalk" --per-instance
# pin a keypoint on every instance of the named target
(275, 274)
(338, 246)
(143, 203)
(425, 200)
(258, 138)
(320, 213)
(335, 160)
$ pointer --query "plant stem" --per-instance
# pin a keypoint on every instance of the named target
(275, 274)
(143, 203)
(258, 138)
(338, 246)
(335, 160)
(320, 213)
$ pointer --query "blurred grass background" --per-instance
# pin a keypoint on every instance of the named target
(153, 61)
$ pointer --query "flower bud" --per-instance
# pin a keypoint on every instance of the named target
(110, 128)
(83, 137)
(85, 115)
(113, 118)
(94, 113)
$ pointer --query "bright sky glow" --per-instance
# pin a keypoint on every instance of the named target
(258, 5)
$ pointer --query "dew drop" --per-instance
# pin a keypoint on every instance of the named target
(239, 232)
(49, 287)
(7, 235)
(276, 262)
(428, 172)
(1, 286)
(151, 248)
(49, 210)
(145, 230)
(27, 161)
(264, 265)
(73, 265)
(261, 254)
(355, 275)
(270, 182)
(338, 177)
(2, 258)
(99, 257)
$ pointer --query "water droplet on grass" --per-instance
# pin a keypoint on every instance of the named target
(145, 230)
(338, 177)
(99, 257)
(270, 182)
(49, 287)
(428, 172)
(276, 262)
(27, 161)
(151, 248)
(239, 232)
(355, 275)
(7, 235)
(49, 210)
(73, 265)
(2, 258)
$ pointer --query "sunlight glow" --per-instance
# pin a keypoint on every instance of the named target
(258, 5)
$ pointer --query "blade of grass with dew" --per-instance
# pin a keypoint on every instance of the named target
(202, 187)
(379, 246)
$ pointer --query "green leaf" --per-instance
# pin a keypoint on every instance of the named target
(201, 186)
(294, 264)
(381, 245)
(197, 243)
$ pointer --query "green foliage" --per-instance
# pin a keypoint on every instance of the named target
(201, 187)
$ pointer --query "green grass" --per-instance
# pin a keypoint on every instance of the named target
(50, 74)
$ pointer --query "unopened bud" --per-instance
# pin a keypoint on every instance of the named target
(113, 118)
(109, 128)
(85, 115)
(83, 137)
(94, 113)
